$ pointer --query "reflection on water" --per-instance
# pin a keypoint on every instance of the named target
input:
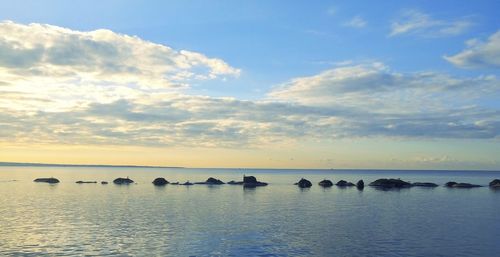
(280, 219)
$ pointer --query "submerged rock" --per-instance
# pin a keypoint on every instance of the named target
(174, 183)
(360, 185)
(104, 182)
(232, 182)
(495, 183)
(390, 183)
(424, 184)
(304, 183)
(460, 185)
(85, 182)
(47, 180)
(160, 182)
(325, 183)
(211, 181)
(123, 181)
(187, 184)
(343, 183)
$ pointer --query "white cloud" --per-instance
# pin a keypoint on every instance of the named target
(421, 24)
(356, 22)
(370, 99)
(73, 66)
(60, 86)
(479, 54)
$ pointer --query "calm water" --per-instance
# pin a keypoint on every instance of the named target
(277, 220)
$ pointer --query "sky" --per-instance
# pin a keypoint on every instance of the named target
(251, 84)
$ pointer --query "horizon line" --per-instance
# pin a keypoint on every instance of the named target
(36, 164)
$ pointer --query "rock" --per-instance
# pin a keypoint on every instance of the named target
(123, 181)
(460, 185)
(174, 183)
(104, 182)
(390, 183)
(424, 184)
(343, 183)
(304, 183)
(325, 183)
(214, 181)
(85, 182)
(187, 184)
(251, 181)
(450, 184)
(495, 183)
(211, 181)
(248, 181)
(360, 185)
(160, 182)
(47, 180)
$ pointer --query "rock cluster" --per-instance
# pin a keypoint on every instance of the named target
(390, 183)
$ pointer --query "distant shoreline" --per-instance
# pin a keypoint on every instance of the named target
(29, 164)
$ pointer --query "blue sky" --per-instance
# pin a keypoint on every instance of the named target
(395, 74)
(293, 38)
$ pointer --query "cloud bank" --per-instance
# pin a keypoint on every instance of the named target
(60, 86)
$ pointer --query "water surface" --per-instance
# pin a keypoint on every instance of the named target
(277, 220)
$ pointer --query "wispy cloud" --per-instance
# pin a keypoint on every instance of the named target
(479, 54)
(418, 23)
(332, 10)
(355, 22)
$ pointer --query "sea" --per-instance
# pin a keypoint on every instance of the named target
(140, 219)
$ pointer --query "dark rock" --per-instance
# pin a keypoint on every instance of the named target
(47, 180)
(104, 182)
(211, 181)
(360, 185)
(248, 181)
(325, 183)
(85, 182)
(390, 183)
(123, 181)
(424, 184)
(160, 182)
(251, 181)
(495, 183)
(450, 184)
(187, 184)
(460, 185)
(303, 183)
(343, 183)
(214, 181)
